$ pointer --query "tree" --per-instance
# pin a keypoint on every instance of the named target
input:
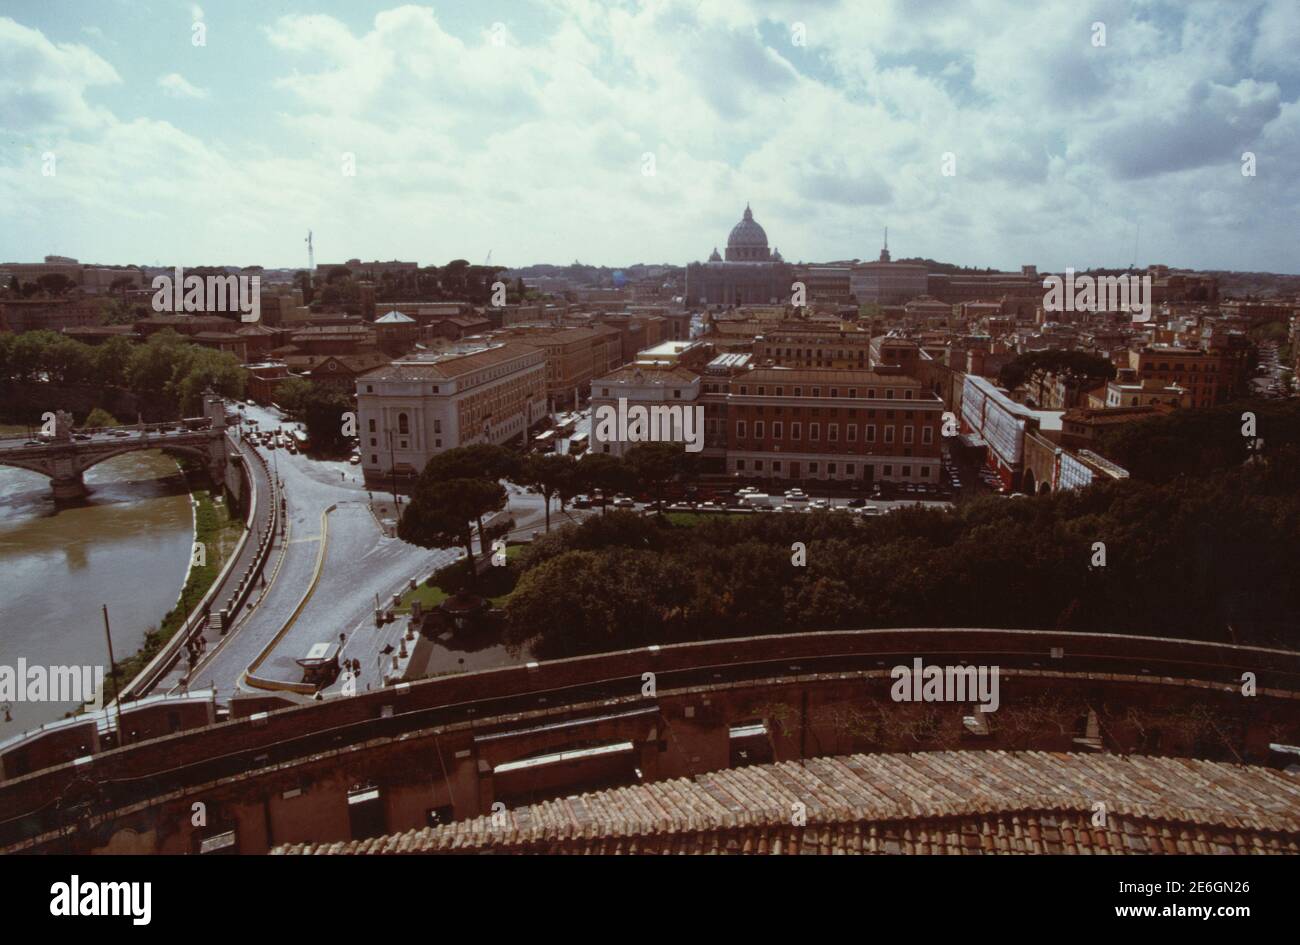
(55, 284)
(479, 461)
(112, 360)
(1079, 369)
(322, 412)
(602, 471)
(293, 395)
(100, 417)
(442, 513)
(653, 465)
(546, 474)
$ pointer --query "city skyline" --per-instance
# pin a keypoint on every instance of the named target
(528, 132)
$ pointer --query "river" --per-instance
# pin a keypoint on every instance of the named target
(128, 547)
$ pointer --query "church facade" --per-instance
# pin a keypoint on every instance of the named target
(751, 274)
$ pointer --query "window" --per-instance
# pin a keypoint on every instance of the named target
(372, 424)
(370, 388)
(798, 391)
(776, 429)
(373, 441)
(889, 434)
(830, 469)
(744, 389)
(852, 432)
(835, 392)
(776, 465)
(762, 391)
(871, 393)
(401, 445)
(871, 433)
(889, 470)
(814, 431)
(907, 433)
(853, 394)
(758, 429)
(812, 467)
(794, 431)
(758, 465)
(780, 392)
(677, 395)
(817, 391)
(925, 472)
(833, 432)
(907, 394)
(849, 469)
(889, 393)
(740, 463)
(740, 429)
(403, 423)
(374, 460)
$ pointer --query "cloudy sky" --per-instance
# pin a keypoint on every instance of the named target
(529, 130)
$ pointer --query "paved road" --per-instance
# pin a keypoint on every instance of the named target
(212, 637)
(362, 559)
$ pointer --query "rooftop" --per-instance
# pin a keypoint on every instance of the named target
(929, 802)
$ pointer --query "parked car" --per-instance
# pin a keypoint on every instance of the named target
(793, 496)
(623, 502)
(581, 502)
(857, 503)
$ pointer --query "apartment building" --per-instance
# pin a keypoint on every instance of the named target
(798, 345)
(1212, 376)
(646, 385)
(798, 424)
(408, 411)
(574, 356)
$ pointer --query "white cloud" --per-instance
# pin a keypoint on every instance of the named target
(534, 148)
(177, 86)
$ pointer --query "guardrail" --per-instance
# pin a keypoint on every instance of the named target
(166, 658)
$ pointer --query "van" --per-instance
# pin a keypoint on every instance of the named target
(756, 499)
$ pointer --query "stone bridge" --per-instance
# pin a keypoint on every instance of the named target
(64, 455)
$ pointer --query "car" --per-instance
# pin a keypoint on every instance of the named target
(857, 503)
(354, 459)
(33, 443)
(795, 497)
(820, 504)
(710, 507)
(581, 502)
(623, 502)
(119, 433)
(81, 436)
(869, 510)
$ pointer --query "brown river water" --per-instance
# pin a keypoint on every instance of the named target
(128, 547)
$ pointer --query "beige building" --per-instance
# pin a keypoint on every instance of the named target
(573, 357)
(411, 410)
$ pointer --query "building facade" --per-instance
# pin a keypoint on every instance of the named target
(409, 411)
(805, 424)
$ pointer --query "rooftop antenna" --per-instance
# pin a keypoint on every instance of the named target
(311, 258)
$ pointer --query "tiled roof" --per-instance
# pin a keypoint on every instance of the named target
(628, 374)
(931, 802)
